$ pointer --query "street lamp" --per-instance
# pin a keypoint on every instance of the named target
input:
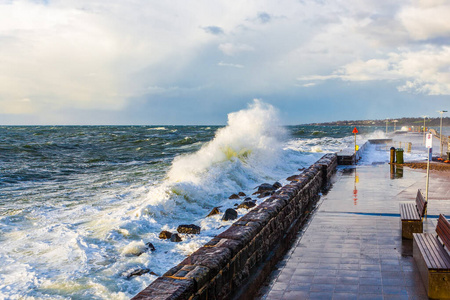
(395, 123)
(424, 134)
(440, 131)
(387, 121)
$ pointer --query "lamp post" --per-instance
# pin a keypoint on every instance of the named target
(424, 118)
(395, 123)
(387, 121)
(440, 131)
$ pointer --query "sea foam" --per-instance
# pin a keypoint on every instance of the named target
(252, 135)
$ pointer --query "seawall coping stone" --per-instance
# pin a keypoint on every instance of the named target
(214, 258)
(233, 245)
(165, 288)
(240, 233)
(200, 274)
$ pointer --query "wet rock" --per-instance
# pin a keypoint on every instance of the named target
(165, 235)
(150, 246)
(265, 187)
(242, 194)
(234, 196)
(293, 178)
(230, 214)
(247, 204)
(248, 199)
(214, 211)
(190, 229)
(137, 272)
(175, 238)
(277, 185)
(134, 249)
(265, 194)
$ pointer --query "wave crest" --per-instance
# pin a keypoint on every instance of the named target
(254, 133)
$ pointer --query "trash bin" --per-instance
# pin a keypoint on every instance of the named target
(399, 155)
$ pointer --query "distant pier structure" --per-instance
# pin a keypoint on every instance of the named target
(349, 156)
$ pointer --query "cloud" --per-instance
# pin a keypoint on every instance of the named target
(264, 17)
(426, 71)
(222, 64)
(309, 84)
(96, 56)
(233, 49)
(215, 30)
(426, 20)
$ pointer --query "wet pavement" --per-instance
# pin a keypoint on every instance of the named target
(352, 246)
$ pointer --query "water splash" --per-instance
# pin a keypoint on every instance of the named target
(253, 134)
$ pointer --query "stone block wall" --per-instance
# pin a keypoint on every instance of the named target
(242, 256)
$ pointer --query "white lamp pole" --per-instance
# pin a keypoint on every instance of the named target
(387, 121)
(440, 131)
(424, 131)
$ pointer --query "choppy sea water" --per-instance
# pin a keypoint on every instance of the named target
(79, 203)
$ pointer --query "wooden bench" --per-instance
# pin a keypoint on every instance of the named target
(433, 260)
(411, 216)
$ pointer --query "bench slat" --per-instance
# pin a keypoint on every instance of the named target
(443, 231)
(421, 204)
(432, 260)
(436, 258)
(438, 252)
(408, 211)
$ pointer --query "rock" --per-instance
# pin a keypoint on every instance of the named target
(234, 196)
(230, 214)
(137, 272)
(214, 211)
(134, 248)
(242, 194)
(190, 229)
(150, 246)
(265, 194)
(165, 235)
(266, 187)
(277, 185)
(293, 178)
(175, 238)
(247, 204)
(248, 199)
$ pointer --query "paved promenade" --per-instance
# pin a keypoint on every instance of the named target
(352, 247)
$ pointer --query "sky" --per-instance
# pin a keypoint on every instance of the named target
(147, 62)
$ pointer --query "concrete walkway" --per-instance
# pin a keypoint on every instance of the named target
(352, 247)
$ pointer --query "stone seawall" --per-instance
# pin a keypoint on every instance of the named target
(237, 261)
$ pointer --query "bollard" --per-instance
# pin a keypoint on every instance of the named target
(399, 157)
(409, 147)
(392, 155)
(392, 171)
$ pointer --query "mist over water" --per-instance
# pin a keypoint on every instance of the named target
(79, 203)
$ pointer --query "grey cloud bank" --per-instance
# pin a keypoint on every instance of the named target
(150, 62)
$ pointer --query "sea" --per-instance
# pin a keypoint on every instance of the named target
(79, 204)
